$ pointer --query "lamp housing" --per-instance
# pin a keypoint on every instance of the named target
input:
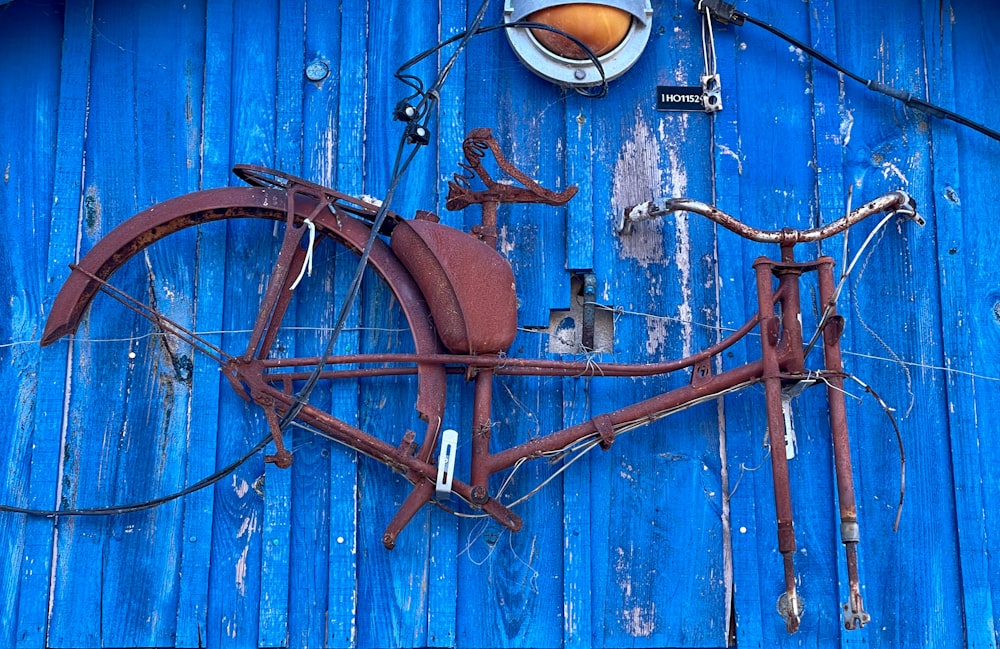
(616, 31)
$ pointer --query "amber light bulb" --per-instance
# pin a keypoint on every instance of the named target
(599, 27)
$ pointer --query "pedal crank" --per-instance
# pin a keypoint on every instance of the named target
(282, 458)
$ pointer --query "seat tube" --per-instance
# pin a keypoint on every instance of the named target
(277, 295)
(481, 431)
(854, 612)
(770, 327)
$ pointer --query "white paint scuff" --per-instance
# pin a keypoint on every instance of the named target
(639, 175)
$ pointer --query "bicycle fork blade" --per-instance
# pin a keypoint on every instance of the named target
(855, 615)
(790, 608)
(789, 604)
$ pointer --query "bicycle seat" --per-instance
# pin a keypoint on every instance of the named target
(469, 286)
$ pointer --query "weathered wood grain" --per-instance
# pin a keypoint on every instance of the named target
(969, 299)
(33, 380)
(210, 118)
(235, 580)
(658, 541)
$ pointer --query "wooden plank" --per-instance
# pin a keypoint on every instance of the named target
(392, 587)
(954, 36)
(338, 155)
(580, 215)
(277, 531)
(577, 494)
(763, 169)
(213, 167)
(831, 134)
(656, 493)
(33, 378)
(577, 503)
(741, 425)
(63, 246)
(307, 117)
(888, 150)
(44, 491)
(443, 585)
(236, 580)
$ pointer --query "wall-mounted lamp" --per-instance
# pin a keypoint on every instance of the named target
(616, 31)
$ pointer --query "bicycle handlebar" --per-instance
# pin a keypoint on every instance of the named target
(897, 201)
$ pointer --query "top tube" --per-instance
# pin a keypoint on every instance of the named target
(895, 202)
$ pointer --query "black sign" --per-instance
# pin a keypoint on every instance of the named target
(679, 98)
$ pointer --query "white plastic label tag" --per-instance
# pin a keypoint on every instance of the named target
(446, 464)
(791, 444)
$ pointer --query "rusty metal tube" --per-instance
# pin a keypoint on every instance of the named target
(481, 432)
(854, 612)
(539, 446)
(770, 330)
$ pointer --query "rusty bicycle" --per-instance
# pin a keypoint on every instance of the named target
(445, 303)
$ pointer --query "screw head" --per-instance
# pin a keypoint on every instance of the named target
(317, 71)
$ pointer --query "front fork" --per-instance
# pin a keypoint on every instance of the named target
(855, 615)
(782, 354)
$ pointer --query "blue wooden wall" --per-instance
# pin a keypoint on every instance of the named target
(110, 107)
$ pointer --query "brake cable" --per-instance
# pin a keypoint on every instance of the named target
(728, 14)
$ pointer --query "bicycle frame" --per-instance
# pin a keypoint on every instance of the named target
(269, 382)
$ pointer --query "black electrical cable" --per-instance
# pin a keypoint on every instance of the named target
(146, 504)
(519, 24)
(727, 13)
(420, 116)
(401, 163)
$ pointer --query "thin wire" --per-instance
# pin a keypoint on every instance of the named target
(307, 265)
(899, 442)
(832, 304)
(576, 450)
(415, 83)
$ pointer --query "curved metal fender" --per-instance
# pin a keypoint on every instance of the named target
(163, 219)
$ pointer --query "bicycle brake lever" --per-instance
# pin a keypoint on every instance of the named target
(909, 209)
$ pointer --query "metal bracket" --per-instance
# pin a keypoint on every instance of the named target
(589, 308)
(711, 93)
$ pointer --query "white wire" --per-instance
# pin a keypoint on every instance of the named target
(307, 264)
(708, 46)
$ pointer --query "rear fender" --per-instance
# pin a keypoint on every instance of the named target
(163, 219)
